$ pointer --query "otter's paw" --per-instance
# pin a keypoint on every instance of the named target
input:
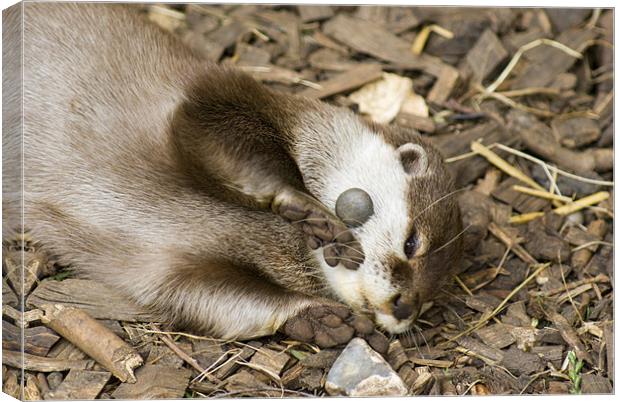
(323, 229)
(332, 325)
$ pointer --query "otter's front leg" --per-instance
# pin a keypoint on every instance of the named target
(321, 227)
(232, 301)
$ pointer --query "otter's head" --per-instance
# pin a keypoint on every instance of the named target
(412, 241)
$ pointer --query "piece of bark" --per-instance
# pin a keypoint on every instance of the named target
(370, 38)
(94, 339)
(481, 350)
(564, 18)
(467, 170)
(608, 336)
(580, 258)
(550, 353)
(31, 388)
(521, 202)
(23, 280)
(96, 299)
(162, 355)
(332, 60)
(519, 362)
(11, 386)
(579, 237)
(315, 13)
(396, 355)
(248, 55)
(352, 79)
(547, 62)
(545, 244)
(290, 377)
(54, 379)
(510, 241)
(22, 319)
(207, 352)
(42, 383)
(269, 361)
(80, 384)
(482, 302)
(9, 297)
(569, 335)
(324, 359)
(212, 47)
(484, 57)
(496, 336)
(595, 384)
(576, 132)
(538, 138)
(155, 381)
(243, 381)
(420, 123)
(44, 364)
(288, 22)
(36, 341)
(558, 387)
(231, 365)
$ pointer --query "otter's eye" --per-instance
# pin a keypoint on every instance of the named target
(411, 245)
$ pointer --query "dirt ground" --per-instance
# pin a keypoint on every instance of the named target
(520, 103)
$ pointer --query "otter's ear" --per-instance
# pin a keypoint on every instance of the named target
(414, 159)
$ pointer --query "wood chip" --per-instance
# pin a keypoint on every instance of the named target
(576, 132)
(490, 354)
(548, 62)
(571, 337)
(519, 362)
(269, 361)
(80, 384)
(155, 381)
(486, 55)
(497, 336)
(96, 299)
(314, 13)
(595, 384)
(36, 341)
(8, 296)
(352, 79)
(367, 37)
(44, 364)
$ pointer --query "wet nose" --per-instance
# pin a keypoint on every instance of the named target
(402, 308)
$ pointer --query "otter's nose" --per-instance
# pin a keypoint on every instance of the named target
(402, 308)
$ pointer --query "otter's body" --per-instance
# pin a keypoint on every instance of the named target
(159, 174)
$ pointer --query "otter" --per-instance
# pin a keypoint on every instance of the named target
(210, 199)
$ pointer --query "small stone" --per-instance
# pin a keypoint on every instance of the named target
(354, 207)
(360, 371)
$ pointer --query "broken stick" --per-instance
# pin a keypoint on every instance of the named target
(94, 339)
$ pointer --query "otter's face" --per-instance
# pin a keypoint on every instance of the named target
(412, 241)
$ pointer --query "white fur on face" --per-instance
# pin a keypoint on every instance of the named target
(364, 160)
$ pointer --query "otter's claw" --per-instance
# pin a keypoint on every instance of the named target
(330, 325)
(323, 229)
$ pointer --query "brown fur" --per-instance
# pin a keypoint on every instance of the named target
(149, 170)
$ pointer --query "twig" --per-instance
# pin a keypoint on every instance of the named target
(525, 48)
(422, 37)
(572, 285)
(503, 165)
(525, 218)
(552, 168)
(541, 194)
(486, 317)
(582, 203)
